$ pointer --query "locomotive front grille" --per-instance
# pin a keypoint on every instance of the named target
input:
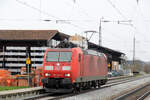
(56, 82)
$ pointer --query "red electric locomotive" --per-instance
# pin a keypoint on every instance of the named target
(68, 69)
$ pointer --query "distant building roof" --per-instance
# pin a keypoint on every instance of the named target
(112, 54)
(27, 34)
(29, 37)
(92, 45)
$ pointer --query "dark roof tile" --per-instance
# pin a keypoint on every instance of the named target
(27, 34)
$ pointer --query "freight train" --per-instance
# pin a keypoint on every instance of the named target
(73, 69)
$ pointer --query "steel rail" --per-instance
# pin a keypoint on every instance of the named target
(122, 97)
(37, 96)
(144, 96)
(104, 86)
(120, 77)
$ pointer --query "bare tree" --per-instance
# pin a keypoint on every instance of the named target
(147, 68)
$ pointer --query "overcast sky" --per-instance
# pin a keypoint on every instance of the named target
(84, 15)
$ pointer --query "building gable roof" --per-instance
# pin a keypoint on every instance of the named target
(27, 34)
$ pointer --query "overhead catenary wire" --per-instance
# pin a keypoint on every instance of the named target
(123, 16)
(79, 9)
(37, 9)
(115, 9)
(111, 21)
(46, 13)
(56, 17)
(19, 19)
(137, 30)
(120, 13)
(52, 15)
(118, 10)
(146, 30)
(140, 11)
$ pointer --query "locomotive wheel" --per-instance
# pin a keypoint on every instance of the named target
(95, 85)
(99, 85)
(76, 90)
(79, 89)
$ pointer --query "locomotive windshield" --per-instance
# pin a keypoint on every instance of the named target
(52, 56)
(58, 56)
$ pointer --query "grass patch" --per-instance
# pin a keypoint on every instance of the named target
(137, 75)
(4, 88)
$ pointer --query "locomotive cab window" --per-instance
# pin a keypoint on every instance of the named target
(53, 56)
(65, 56)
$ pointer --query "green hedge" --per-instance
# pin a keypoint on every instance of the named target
(3, 88)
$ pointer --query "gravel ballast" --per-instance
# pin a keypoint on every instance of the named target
(110, 92)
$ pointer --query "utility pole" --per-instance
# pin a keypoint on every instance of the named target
(100, 32)
(134, 51)
(100, 27)
(4, 50)
(28, 64)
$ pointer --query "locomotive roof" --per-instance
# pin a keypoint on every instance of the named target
(87, 51)
(93, 52)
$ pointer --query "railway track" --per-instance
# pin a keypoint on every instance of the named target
(20, 93)
(145, 95)
(109, 84)
(31, 92)
(136, 94)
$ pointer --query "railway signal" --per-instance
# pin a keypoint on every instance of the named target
(28, 62)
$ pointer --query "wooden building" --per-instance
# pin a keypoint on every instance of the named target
(17, 45)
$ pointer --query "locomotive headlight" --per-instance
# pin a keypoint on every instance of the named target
(48, 67)
(66, 68)
(68, 75)
(47, 74)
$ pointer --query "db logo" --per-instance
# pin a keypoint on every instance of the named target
(57, 68)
